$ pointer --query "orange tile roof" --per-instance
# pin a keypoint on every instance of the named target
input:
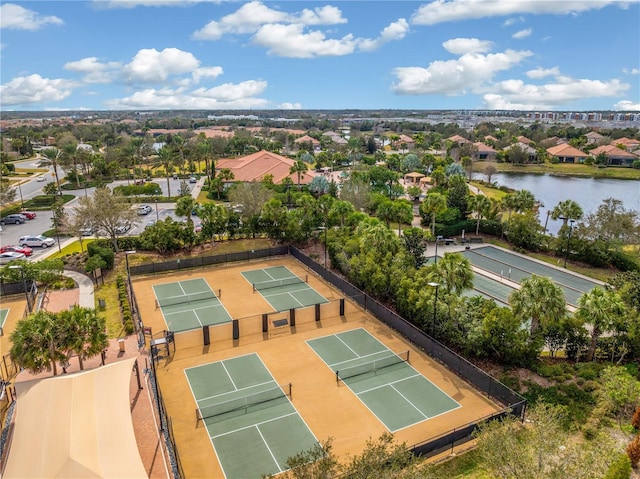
(482, 148)
(256, 166)
(566, 150)
(611, 150)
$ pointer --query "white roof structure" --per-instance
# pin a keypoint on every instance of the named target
(75, 426)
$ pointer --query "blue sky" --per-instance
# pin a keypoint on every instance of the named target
(218, 55)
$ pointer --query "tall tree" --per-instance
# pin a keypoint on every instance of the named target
(299, 168)
(455, 273)
(38, 342)
(567, 209)
(433, 204)
(601, 309)
(165, 155)
(540, 301)
(85, 330)
(52, 157)
(480, 205)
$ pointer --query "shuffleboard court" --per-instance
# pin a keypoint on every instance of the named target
(396, 393)
(282, 289)
(490, 289)
(251, 421)
(3, 317)
(518, 268)
(189, 304)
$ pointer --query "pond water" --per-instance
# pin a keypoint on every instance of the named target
(587, 192)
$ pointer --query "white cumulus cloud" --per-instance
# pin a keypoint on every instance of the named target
(94, 71)
(543, 72)
(15, 17)
(626, 105)
(439, 11)
(232, 92)
(460, 46)
(111, 4)
(153, 66)
(251, 16)
(517, 95)
(522, 33)
(394, 31)
(290, 106)
(32, 89)
(293, 42)
(472, 71)
(631, 71)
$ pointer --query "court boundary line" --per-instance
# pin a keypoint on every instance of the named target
(268, 449)
(528, 272)
(215, 297)
(229, 375)
(418, 373)
(365, 356)
(243, 428)
(234, 391)
(407, 399)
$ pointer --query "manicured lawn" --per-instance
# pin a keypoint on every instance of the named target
(111, 313)
(491, 193)
(73, 248)
(571, 170)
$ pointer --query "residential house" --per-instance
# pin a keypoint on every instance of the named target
(615, 155)
(629, 143)
(308, 139)
(408, 141)
(484, 152)
(567, 153)
(524, 140)
(256, 166)
(335, 138)
(528, 150)
(459, 140)
(594, 138)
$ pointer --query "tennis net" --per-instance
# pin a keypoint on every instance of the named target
(277, 283)
(242, 404)
(372, 366)
(185, 298)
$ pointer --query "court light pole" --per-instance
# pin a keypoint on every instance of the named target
(126, 258)
(435, 258)
(435, 285)
(566, 253)
(24, 285)
(324, 228)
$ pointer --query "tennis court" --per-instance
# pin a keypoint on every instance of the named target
(189, 304)
(396, 393)
(3, 317)
(282, 289)
(251, 421)
(517, 268)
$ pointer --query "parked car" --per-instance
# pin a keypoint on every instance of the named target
(144, 210)
(16, 219)
(88, 231)
(193, 179)
(29, 214)
(122, 229)
(139, 182)
(42, 178)
(150, 223)
(198, 227)
(10, 256)
(25, 250)
(39, 240)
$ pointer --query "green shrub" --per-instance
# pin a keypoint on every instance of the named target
(107, 255)
(128, 327)
(620, 468)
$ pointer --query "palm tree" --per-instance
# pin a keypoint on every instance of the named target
(455, 273)
(52, 157)
(432, 205)
(166, 160)
(600, 308)
(567, 209)
(341, 209)
(480, 205)
(36, 342)
(70, 153)
(86, 332)
(538, 300)
(299, 167)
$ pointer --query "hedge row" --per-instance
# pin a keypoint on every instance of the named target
(123, 298)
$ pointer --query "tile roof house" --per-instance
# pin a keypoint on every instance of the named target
(615, 156)
(528, 150)
(629, 144)
(256, 166)
(490, 138)
(308, 139)
(593, 138)
(484, 152)
(460, 140)
(335, 137)
(567, 153)
(525, 140)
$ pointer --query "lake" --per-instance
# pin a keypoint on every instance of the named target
(587, 192)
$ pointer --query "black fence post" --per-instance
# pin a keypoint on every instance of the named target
(317, 312)
(265, 323)
(292, 317)
(236, 329)
(205, 334)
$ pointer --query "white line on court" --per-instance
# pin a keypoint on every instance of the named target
(348, 347)
(255, 425)
(230, 378)
(237, 390)
(389, 384)
(366, 356)
(183, 291)
(268, 449)
(197, 317)
(406, 399)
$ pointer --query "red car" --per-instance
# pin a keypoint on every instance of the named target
(29, 214)
(25, 250)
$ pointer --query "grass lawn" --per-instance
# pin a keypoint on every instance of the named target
(109, 293)
(568, 169)
(73, 248)
(491, 193)
(467, 465)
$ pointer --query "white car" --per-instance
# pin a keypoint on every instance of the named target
(10, 256)
(32, 241)
(122, 228)
(42, 178)
(144, 210)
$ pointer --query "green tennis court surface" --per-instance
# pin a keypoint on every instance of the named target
(189, 304)
(3, 316)
(387, 385)
(518, 268)
(490, 289)
(282, 288)
(250, 440)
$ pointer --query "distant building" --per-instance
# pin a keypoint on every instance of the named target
(256, 166)
(615, 156)
(567, 153)
(484, 152)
